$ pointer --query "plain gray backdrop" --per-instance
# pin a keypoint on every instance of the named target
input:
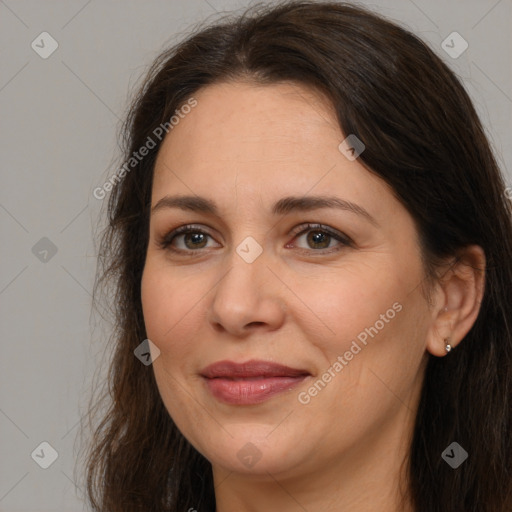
(59, 120)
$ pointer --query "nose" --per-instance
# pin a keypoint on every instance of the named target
(248, 297)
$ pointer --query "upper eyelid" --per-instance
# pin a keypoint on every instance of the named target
(296, 231)
(310, 226)
(303, 226)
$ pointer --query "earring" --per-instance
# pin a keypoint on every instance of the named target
(447, 347)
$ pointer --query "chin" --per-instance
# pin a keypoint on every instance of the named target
(251, 452)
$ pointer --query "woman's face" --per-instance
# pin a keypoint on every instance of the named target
(340, 304)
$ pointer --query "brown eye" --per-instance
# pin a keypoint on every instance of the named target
(194, 240)
(319, 237)
(185, 239)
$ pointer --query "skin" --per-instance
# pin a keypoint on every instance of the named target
(246, 146)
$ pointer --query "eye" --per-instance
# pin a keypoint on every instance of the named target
(191, 239)
(319, 237)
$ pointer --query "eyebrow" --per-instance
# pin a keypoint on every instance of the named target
(281, 207)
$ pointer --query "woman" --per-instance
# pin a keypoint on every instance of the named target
(311, 246)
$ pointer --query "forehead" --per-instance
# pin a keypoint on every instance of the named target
(235, 121)
(261, 140)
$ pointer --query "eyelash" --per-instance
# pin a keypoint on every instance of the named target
(345, 241)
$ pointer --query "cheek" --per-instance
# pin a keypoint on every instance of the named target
(166, 304)
(373, 317)
(347, 301)
(169, 318)
(155, 301)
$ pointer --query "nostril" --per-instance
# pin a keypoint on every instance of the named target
(255, 324)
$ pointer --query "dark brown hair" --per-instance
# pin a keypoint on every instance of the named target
(423, 137)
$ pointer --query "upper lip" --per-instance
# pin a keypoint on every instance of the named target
(252, 368)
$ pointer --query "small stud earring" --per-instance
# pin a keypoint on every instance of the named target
(447, 347)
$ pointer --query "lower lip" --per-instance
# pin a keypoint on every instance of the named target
(250, 391)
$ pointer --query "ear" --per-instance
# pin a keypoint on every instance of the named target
(458, 296)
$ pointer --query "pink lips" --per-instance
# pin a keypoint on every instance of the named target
(251, 382)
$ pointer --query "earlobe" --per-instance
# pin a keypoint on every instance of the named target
(459, 296)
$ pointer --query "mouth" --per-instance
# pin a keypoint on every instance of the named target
(251, 382)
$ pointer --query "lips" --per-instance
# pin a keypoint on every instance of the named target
(250, 369)
(251, 382)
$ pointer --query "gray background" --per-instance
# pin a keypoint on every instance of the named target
(59, 119)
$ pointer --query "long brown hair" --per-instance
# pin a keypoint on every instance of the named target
(423, 137)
